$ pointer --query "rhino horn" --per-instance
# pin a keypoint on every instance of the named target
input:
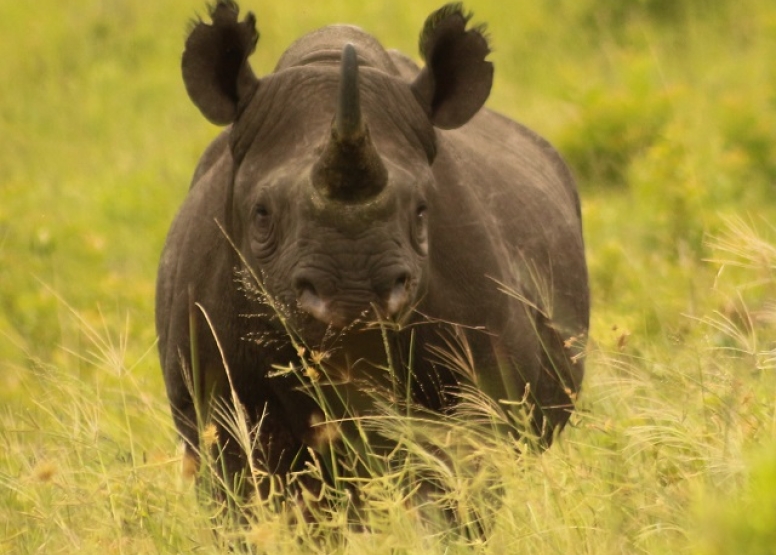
(350, 168)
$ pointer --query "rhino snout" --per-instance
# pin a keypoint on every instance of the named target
(341, 307)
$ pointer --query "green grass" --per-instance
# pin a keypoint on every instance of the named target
(666, 111)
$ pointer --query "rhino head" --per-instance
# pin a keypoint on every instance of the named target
(332, 154)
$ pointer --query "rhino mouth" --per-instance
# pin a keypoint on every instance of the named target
(341, 314)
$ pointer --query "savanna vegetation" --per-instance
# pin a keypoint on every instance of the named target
(665, 110)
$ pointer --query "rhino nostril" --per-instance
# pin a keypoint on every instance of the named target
(309, 300)
(304, 285)
(398, 295)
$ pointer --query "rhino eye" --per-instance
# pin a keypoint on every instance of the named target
(262, 221)
(421, 228)
(262, 233)
(261, 214)
(420, 214)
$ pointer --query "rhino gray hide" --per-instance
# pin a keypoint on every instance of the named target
(358, 206)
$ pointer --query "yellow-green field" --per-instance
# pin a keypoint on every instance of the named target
(665, 110)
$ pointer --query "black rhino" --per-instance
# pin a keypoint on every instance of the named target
(380, 212)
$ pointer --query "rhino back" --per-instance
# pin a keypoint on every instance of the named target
(325, 45)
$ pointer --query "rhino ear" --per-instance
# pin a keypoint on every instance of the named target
(457, 79)
(215, 65)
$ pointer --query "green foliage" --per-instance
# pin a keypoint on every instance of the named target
(743, 524)
(665, 111)
(613, 129)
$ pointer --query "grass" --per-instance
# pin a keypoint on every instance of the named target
(666, 113)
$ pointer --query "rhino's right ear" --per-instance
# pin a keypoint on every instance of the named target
(457, 78)
(215, 65)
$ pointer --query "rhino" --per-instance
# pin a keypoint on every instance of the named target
(369, 214)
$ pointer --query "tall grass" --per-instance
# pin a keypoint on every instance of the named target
(670, 450)
(665, 111)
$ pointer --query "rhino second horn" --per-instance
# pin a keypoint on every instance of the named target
(350, 168)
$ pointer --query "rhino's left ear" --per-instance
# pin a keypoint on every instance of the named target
(215, 65)
(457, 79)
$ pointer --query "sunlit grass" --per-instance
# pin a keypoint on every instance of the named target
(91, 465)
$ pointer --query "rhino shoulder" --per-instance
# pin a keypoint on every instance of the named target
(213, 153)
(525, 147)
